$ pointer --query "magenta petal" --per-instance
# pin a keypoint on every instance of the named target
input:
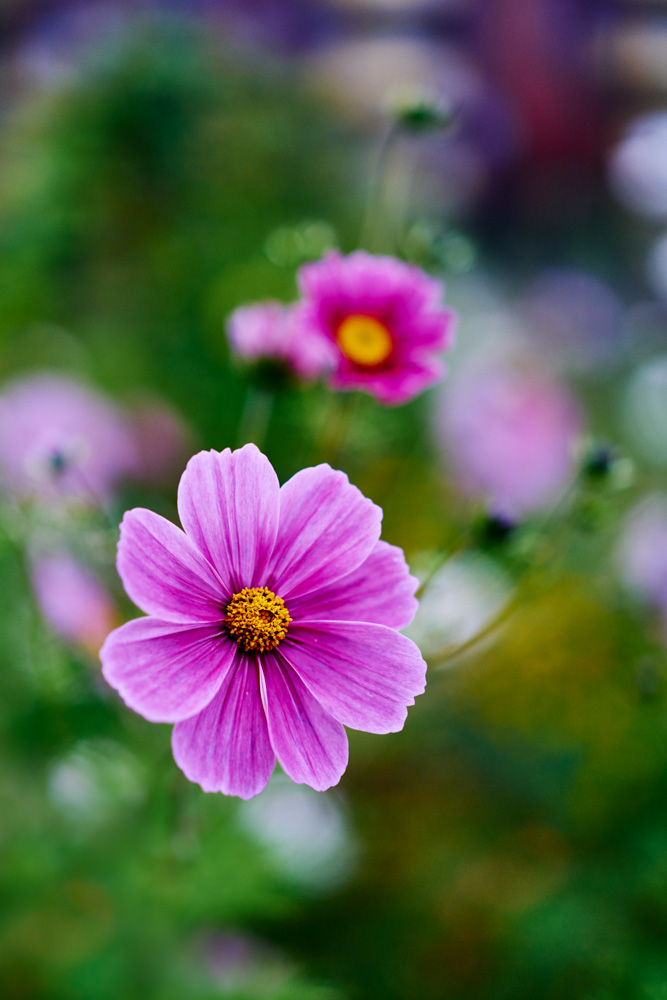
(165, 671)
(381, 590)
(226, 747)
(164, 573)
(228, 503)
(327, 529)
(364, 675)
(311, 746)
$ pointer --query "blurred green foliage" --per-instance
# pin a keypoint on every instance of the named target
(136, 203)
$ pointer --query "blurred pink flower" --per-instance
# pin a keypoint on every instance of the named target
(385, 319)
(59, 438)
(72, 600)
(162, 442)
(642, 553)
(272, 623)
(271, 331)
(509, 433)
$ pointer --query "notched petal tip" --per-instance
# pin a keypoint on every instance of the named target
(214, 785)
(311, 746)
(225, 747)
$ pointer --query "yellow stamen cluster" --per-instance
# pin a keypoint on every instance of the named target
(256, 619)
(364, 340)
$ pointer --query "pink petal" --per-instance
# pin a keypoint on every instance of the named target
(311, 746)
(164, 671)
(226, 747)
(381, 590)
(327, 529)
(364, 675)
(164, 573)
(228, 503)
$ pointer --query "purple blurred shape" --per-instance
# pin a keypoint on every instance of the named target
(642, 552)
(638, 166)
(270, 331)
(163, 442)
(60, 439)
(72, 600)
(508, 432)
(576, 317)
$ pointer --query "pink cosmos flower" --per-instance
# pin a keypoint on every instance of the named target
(272, 331)
(59, 438)
(509, 434)
(272, 623)
(72, 600)
(385, 319)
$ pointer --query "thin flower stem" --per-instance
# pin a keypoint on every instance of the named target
(449, 654)
(370, 234)
(109, 521)
(550, 528)
(336, 426)
(444, 557)
(401, 222)
(255, 416)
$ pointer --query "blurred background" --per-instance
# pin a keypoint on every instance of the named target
(162, 163)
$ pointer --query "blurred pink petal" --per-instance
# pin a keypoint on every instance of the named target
(162, 442)
(72, 600)
(509, 433)
(59, 438)
(270, 331)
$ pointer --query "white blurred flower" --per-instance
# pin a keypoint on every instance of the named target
(94, 780)
(645, 410)
(467, 593)
(638, 166)
(642, 552)
(306, 832)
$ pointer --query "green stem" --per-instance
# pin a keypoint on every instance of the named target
(255, 416)
(449, 654)
(444, 557)
(336, 425)
(370, 234)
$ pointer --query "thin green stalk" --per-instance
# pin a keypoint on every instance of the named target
(255, 416)
(449, 654)
(370, 234)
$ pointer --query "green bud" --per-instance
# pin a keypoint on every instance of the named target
(601, 464)
(421, 111)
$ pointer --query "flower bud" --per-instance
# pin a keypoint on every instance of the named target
(421, 111)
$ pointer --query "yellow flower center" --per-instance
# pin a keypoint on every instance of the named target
(364, 340)
(256, 619)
